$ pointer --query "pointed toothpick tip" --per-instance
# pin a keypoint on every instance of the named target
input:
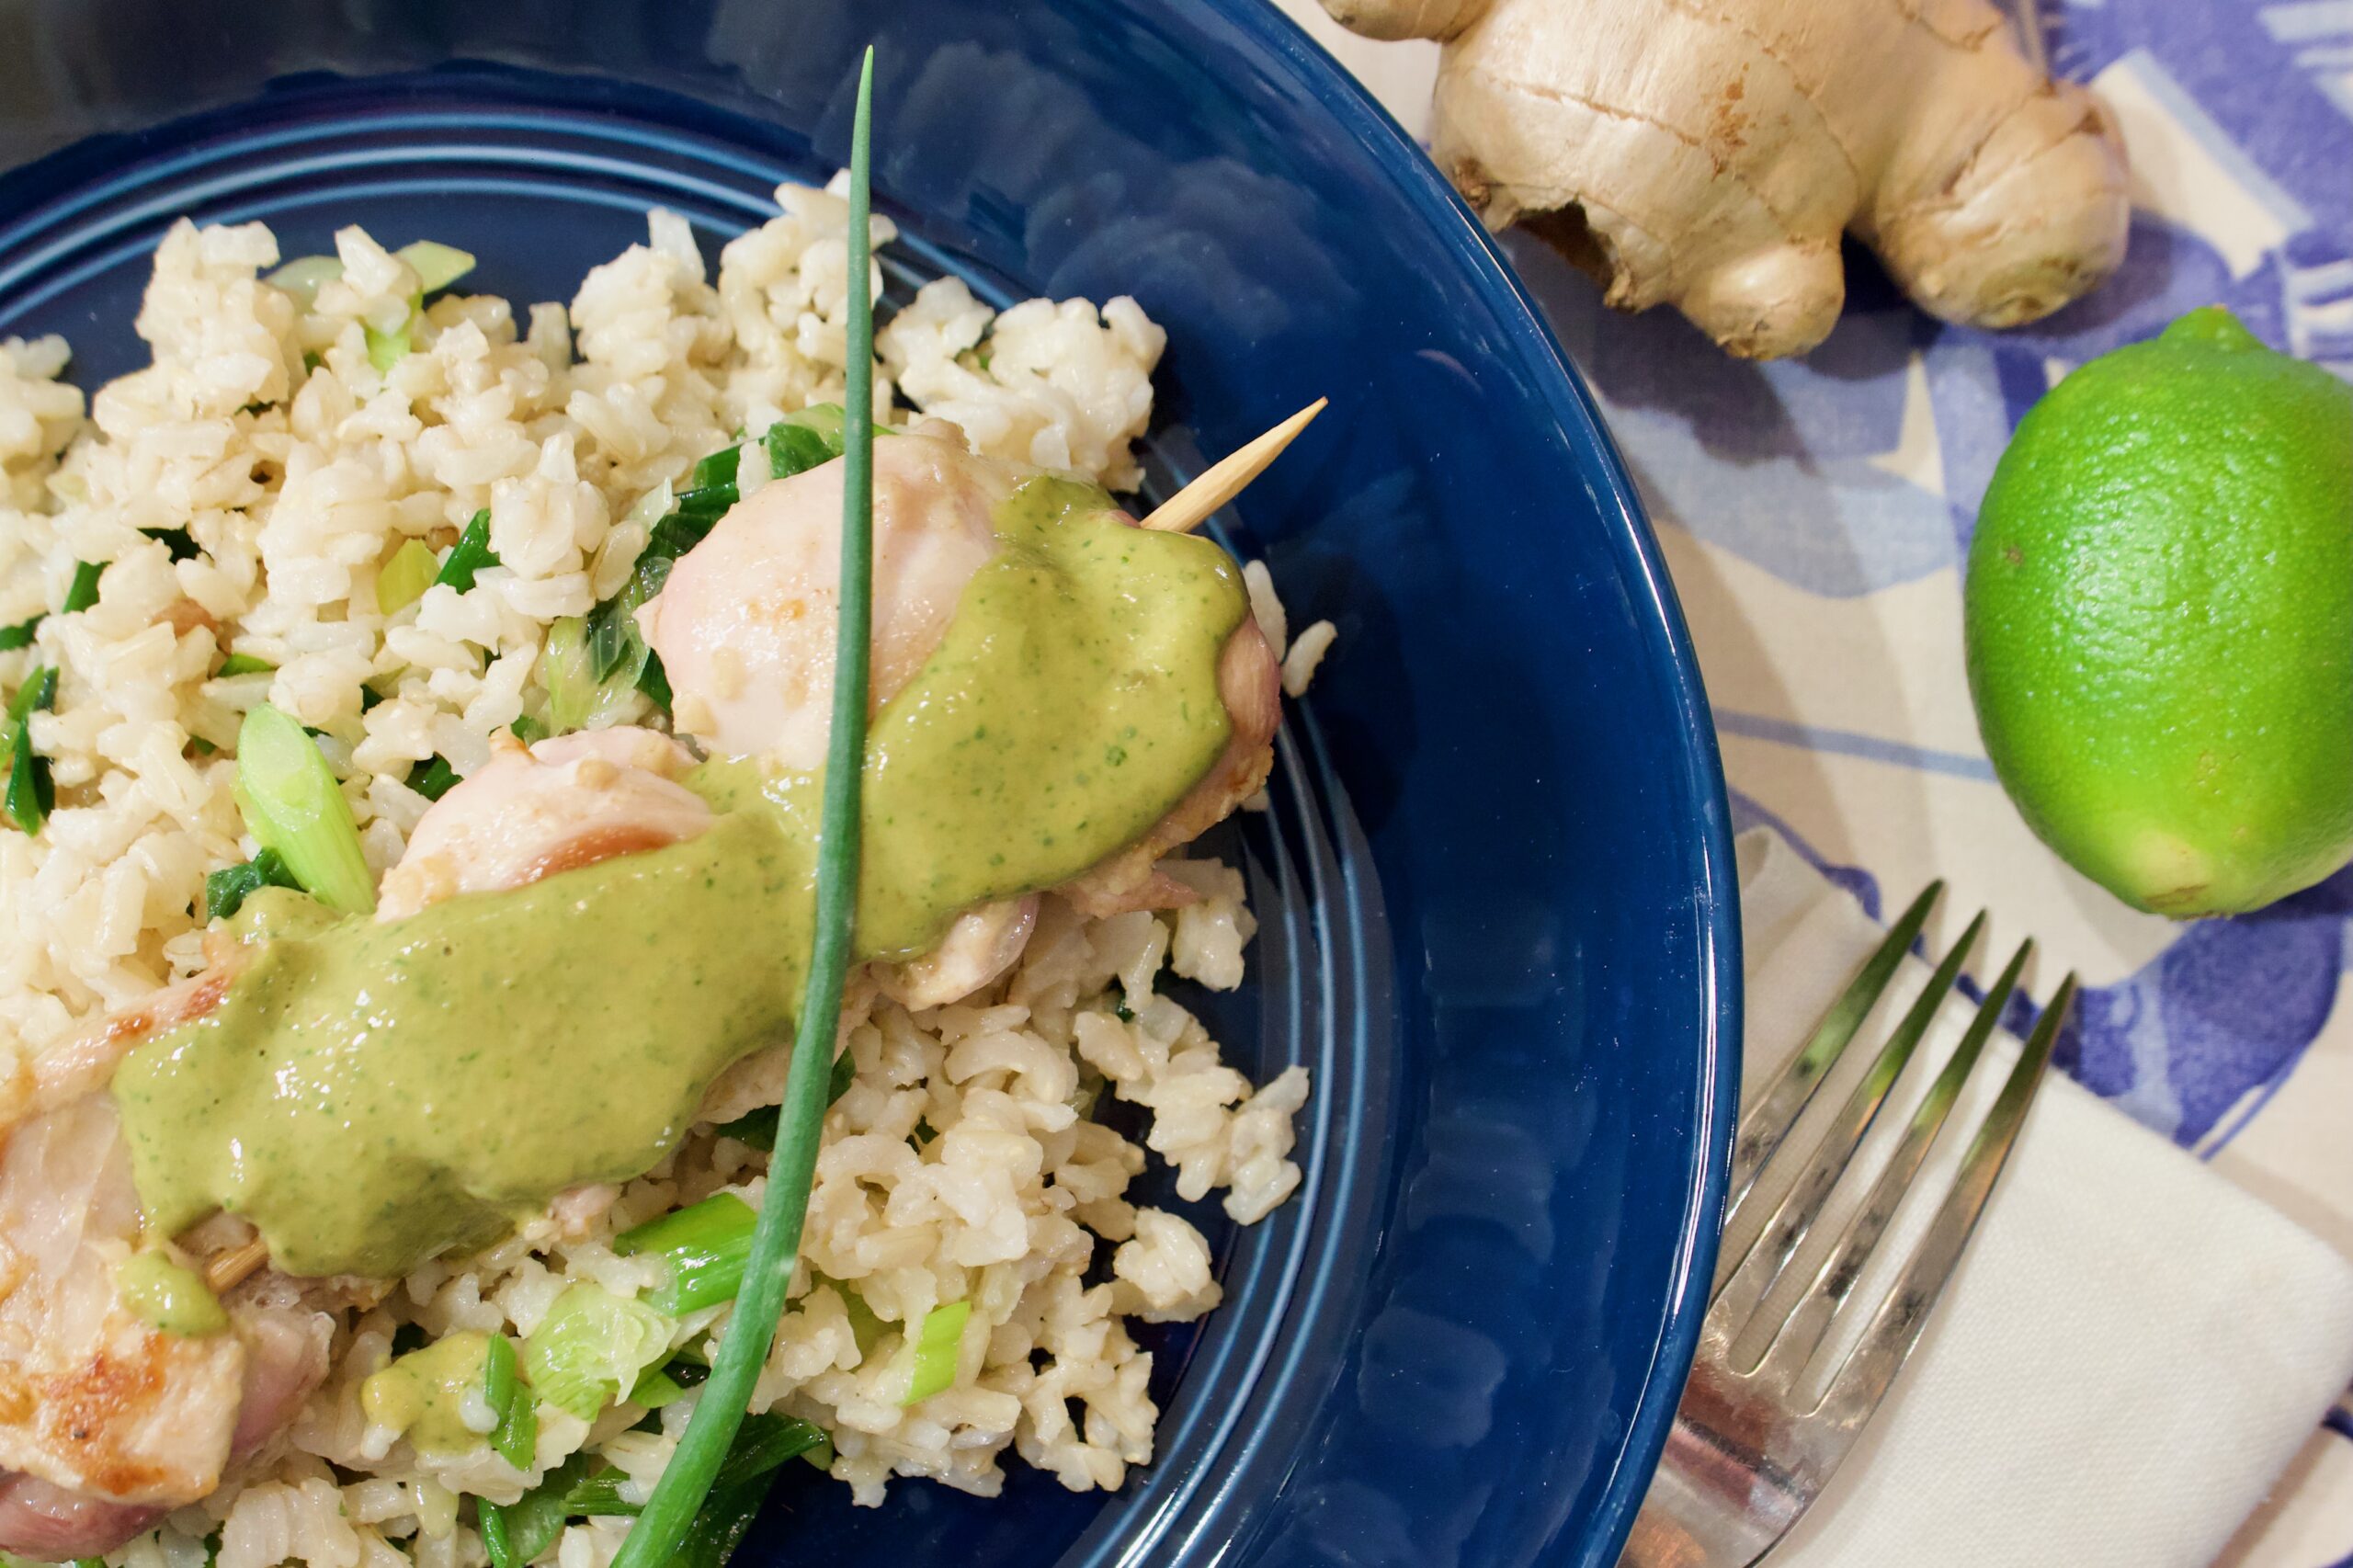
(1229, 476)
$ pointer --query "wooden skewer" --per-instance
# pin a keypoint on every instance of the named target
(1225, 478)
(223, 1269)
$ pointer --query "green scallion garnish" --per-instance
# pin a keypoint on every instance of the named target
(293, 804)
(243, 664)
(85, 591)
(30, 795)
(386, 350)
(931, 1361)
(437, 266)
(19, 635)
(301, 277)
(179, 541)
(591, 1347)
(706, 1245)
(674, 1518)
(471, 553)
(433, 778)
(401, 581)
(226, 889)
(509, 1398)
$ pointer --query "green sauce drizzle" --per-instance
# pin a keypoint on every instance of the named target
(372, 1094)
(169, 1298)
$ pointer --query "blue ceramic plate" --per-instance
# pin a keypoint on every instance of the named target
(1496, 889)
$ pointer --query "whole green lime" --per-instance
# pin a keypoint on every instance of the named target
(2159, 615)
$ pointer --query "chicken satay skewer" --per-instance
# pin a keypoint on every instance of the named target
(1183, 512)
(1227, 477)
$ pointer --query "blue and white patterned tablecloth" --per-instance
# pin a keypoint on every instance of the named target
(1816, 514)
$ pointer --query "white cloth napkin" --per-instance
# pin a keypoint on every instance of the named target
(2133, 1348)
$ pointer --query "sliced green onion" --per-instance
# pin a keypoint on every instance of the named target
(532, 1523)
(490, 1521)
(179, 541)
(30, 795)
(796, 448)
(293, 805)
(754, 1129)
(433, 778)
(705, 1245)
(720, 468)
(577, 698)
(590, 1346)
(657, 1389)
(669, 1382)
(654, 681)
(527, 729)
(470, 555)
(302, 278)
(765, 1443)
(19, 635)
(616, 646)
(802, 441)
(226, 889)
(932, 1367)
(85, 591)
(403, 579)
(437, 266)
(241, 665)
(517, 1432)
(599, 1496)
(386, 350)
(675, 1521)
(741, 1486)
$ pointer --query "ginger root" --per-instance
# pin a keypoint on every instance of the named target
(1707, 153)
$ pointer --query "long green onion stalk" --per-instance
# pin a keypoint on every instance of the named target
(775, 1241)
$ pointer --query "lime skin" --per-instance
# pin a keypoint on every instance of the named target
(2159, 620)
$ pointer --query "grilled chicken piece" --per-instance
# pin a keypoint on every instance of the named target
(105, 1422)
(744, 625)
(982, 944)
(566, 802)
(744, 622)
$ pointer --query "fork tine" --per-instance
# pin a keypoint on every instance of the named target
(1862, 1381)
(1801, 1333)
(1755, 1272)
(1777, 1110)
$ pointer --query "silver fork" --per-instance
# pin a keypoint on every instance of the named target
(1753, 1444)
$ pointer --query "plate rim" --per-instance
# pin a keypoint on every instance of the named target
(1569, 401)
(1284, 50)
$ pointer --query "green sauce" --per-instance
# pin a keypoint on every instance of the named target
(438, 1396)
(167, 1298)
(370, 1094)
